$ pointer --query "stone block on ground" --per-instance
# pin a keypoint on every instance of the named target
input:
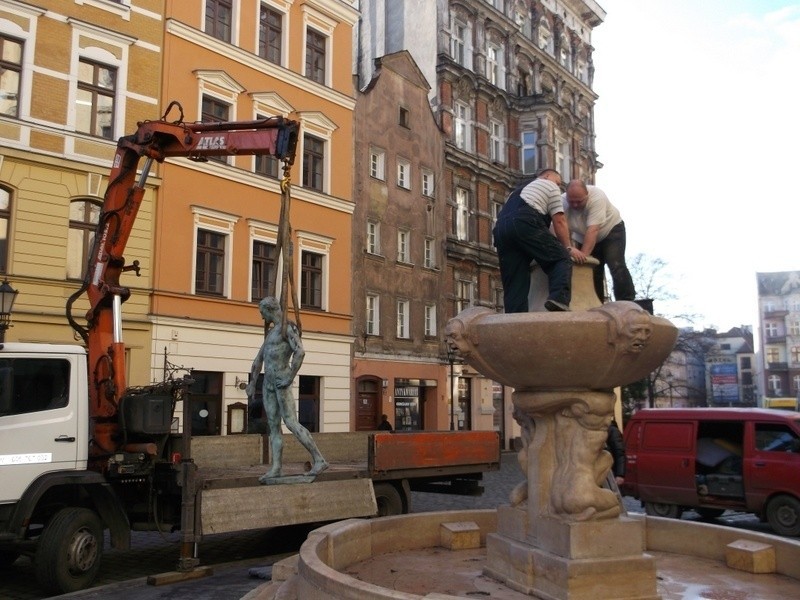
(749, 556)
(460, 535)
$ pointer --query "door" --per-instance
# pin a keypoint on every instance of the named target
(666, 463)
(367, 400)
(206, 402)
(308, 401)
(39, 421)
(771, 462)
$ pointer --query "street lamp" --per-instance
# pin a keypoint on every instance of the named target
(7, 297)
(669, 384)
(451, 358)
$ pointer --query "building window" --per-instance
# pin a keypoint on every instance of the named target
(403, 246)
(83, 218)
(529, 139)
(496, 208)
(458, 42)
(10, 74)
(315, 56)
(461, 221)
(796, 381)
(463, 295)
(377, 164)
(497, 142)
(264, 265)
(373, 314)
(773, 355)
(215, 111)
(545, 37)
(404, 119)
(267, 164)
(495, 71)
(94, 108)
(795, 354)
(270, 34)
(563, 158)
(210, 266)
(774, 385)
(403, 173)
(5, 216)
(219, 19)
(403, 308)
(313, 163)
(311, 280)
(430, 253)
(771, 329)
(430, 320)
(565, 54)
(463, 125)
(794, 328)
(427, 183)
(373, 237)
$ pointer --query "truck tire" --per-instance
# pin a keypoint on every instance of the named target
(783, 515)
(658, 509)
(69, 550)
(388, 499)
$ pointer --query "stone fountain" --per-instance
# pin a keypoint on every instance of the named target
(563, 535)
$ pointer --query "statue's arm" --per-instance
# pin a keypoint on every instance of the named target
(298, 354)
(255, 369)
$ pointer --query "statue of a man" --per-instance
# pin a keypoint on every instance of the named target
(281, 356)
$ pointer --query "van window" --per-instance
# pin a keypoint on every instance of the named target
(775, 437)
(33, 384)
(667, 436)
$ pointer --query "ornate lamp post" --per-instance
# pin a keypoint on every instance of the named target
(7, 297)
(451, 357)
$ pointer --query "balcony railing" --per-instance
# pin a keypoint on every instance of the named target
(777, 366)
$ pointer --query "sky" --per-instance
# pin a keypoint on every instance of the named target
(698, 132)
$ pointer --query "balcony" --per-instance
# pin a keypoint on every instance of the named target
(777, 366)
(776, 313)
(776, 339)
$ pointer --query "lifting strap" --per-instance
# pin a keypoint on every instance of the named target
(284, 250)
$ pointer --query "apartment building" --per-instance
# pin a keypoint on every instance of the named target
(75, 76)
(779, 316)
(217, 221)
(512, 93)
(398, 251)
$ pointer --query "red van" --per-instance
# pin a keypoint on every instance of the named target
(714, 459)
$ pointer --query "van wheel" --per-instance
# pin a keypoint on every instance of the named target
(783, 515)
(709, 513)
(388, 500)
(69, 549)
(668, 511)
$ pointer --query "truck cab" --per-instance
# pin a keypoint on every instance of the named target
(715, 459)
(43, 414)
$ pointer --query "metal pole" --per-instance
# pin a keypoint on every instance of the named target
(451, 358)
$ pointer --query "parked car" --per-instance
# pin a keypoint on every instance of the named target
(714, 459)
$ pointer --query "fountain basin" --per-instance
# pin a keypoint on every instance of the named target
(600, 348)
(341, 561)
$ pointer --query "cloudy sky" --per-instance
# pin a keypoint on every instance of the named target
(699, 133)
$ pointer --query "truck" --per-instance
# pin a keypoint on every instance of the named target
(82, 452)
(715, 459)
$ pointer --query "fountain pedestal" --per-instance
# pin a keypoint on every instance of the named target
(566, 540)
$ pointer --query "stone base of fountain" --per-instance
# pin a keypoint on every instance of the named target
(556, 560)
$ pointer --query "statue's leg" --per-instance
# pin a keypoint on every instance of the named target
(301, 433)
(275, 436)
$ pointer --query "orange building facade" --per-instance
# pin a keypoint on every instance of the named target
(217, 222)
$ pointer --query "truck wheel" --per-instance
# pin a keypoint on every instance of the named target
(388, 499)
(783, 515)
(69, 549)
(668, 511)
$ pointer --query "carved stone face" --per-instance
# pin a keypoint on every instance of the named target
(637, 331)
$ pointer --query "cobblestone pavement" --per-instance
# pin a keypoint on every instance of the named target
(123, 574)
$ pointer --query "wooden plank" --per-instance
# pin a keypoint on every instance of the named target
(239, 509)
(427, 449)
(335, 447)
